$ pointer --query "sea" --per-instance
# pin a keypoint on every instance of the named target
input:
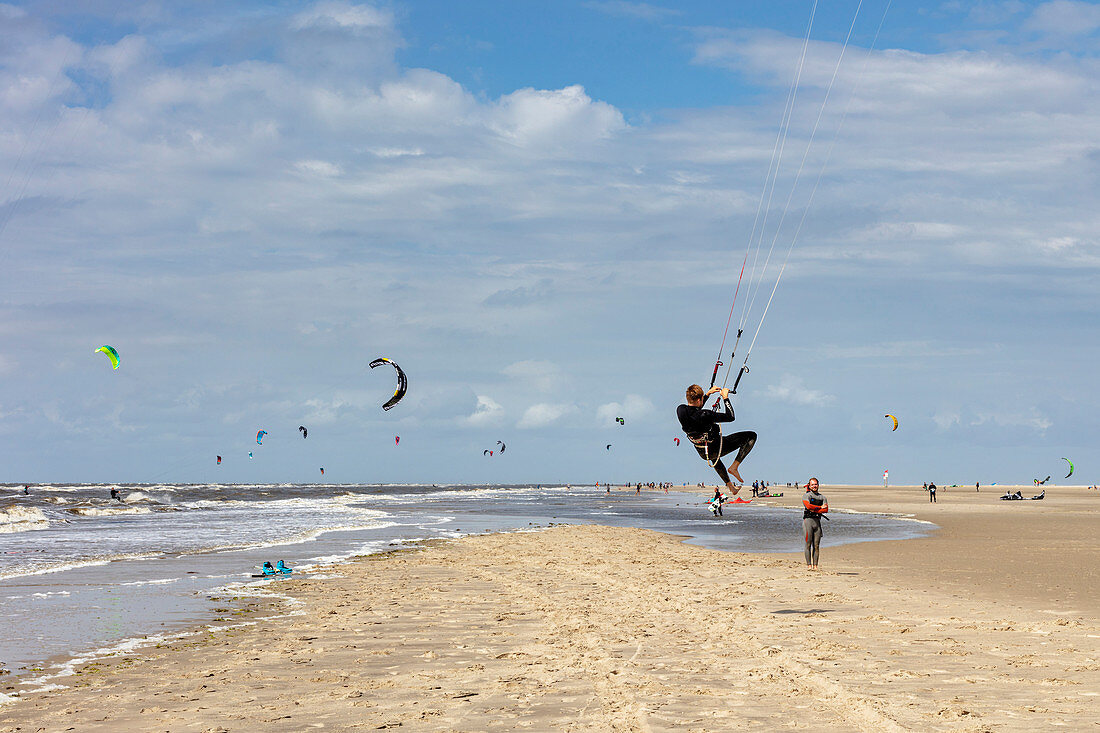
(84, 575)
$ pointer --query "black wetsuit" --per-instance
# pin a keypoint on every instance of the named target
(701, 427)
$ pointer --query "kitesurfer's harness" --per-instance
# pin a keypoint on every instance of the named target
(713, 434)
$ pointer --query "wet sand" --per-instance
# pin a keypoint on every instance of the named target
(1040, 555)
(594, 628)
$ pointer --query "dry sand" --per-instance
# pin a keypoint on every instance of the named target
(601, 629)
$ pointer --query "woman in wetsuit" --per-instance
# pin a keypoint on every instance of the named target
(702, 429)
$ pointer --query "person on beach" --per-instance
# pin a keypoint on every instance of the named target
(932, 492)
(815, 506)
(702, 428)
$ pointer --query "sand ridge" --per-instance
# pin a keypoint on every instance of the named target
(593, 628)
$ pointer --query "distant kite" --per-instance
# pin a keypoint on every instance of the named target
(402, 382)
(677, 441)
(260, 436)
(396, 439)
(250, 455)
(608, 446)
(502, 446)
(1070, 466)
(219, 460)
(305, 433)
(895, 422)
(486, 452)
(111, 354)
(620, 421)
(322, 470)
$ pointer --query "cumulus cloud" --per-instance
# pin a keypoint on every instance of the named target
(487, 412)
(310, 200)
(633, 407)
(544, 414)
(791, 389)
(555, 117)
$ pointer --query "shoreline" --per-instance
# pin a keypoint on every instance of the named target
(859, 576)
(67, 614)
(535, 629)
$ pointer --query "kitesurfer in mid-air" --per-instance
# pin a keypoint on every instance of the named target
(702, 429)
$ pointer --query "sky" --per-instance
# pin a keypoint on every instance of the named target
(541, 212)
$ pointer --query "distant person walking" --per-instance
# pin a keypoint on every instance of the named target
(815, 506)
(976, 487)
(932, 492)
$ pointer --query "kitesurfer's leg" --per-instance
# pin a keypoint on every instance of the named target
(710, 455)
(742, 442)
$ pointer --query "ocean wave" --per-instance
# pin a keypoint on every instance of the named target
(108, 511)
(22, 519)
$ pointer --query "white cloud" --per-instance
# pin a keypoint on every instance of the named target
(317, 168)
(1065, 17)
(633, 407)
(791, 389)
(944, 419)
(538, 117)
(343, 15)
(543, 414)
(540, 375)
(397, 152)
(1028, 419)
(487, 412)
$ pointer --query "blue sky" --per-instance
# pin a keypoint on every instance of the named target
(540, 210)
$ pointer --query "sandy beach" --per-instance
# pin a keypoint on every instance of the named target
(990, 624)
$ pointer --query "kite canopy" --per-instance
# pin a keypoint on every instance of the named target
(895, 422)
(676, 440)
(260, 436)
(402, 382)
(502, 446)
(620, 421)
(396, 439)
(1070, 466)
(111, 354)
(608, 446)
(305, 432)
